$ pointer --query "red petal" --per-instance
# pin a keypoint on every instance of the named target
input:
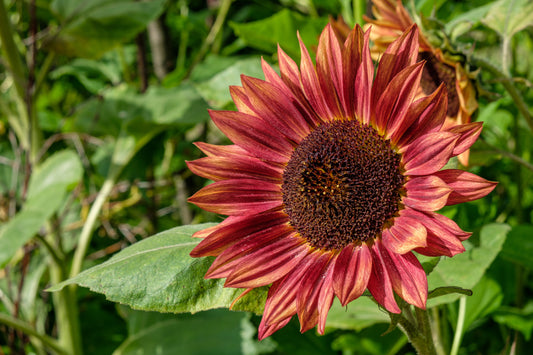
(429, 153)
(275, 109)
(233, 229)
(400, 54)
(397, 97)
(351, 61)
(426, 193)
(267, 264)
(363, 83)
(379, 283)
(405, 234)
(424, 116)
(465, 186)
(408, 278)
(265, 330)
(309, 291)
(330, 71)
(230, 259)
(469, 133)
(221, 150)
(311, 86)
(254, 135)
(444, 236)
(325, 299)
(238, 94)
(238, 197)
(352, 272)
(223, 168)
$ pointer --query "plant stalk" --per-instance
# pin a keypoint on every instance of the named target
(419, 332)
(16, 323)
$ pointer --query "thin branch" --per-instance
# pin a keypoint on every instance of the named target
(508, 84)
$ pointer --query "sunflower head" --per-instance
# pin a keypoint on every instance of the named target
(390, 20)
(334, 179)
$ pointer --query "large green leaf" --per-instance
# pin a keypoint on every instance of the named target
(46, 192)
(518, 247)
(508, 17)
(187, 334)
(89, 28)
(157, 274)
(215, 87)
(466, 269)
(516, 318)
(280, 28)
(357, 315)
(121, 108)
(486, 298)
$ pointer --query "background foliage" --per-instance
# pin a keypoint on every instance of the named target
(100, 102)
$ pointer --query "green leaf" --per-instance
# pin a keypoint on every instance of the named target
(140, 114)
(516, 318)
(507, 17)
(47, 189)
(215, 87)
(357, 315)
(466, 269)
(280, 28)
(487, 297)
(89, 28)
(518, 247)
(93, 75)
(441, 291)
(187, 334)
(157, 274)
(63, 168)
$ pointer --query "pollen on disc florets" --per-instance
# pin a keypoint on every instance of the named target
(342, 184)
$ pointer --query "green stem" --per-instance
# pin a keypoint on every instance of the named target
(11, 52)
(459, 328)
(16, 323)
(508, 84)
(211, 36)
(358, 11)
(419, 332)
(88, 227)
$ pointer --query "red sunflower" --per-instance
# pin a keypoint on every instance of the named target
(391, 19)
(333, 180)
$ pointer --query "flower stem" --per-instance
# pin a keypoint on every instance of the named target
(459, 328)
(418, 332)
(507, 83)
(88, 227)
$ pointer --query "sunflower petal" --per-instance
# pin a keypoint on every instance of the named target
(397, 97)
(429, 153)
(253, 134)
(241, 167)
(465, 186)
(408, 278)
(379, 284)
(234, 228)
(352, 272)
(405, 234)
(426, 193)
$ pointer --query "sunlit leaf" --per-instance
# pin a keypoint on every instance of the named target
(518, 247)
(280, 28)
(466, 269)
(357, 315)
(187, 334)
(47, 189)
(89, 28)
(508, 17)
(157, 274)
